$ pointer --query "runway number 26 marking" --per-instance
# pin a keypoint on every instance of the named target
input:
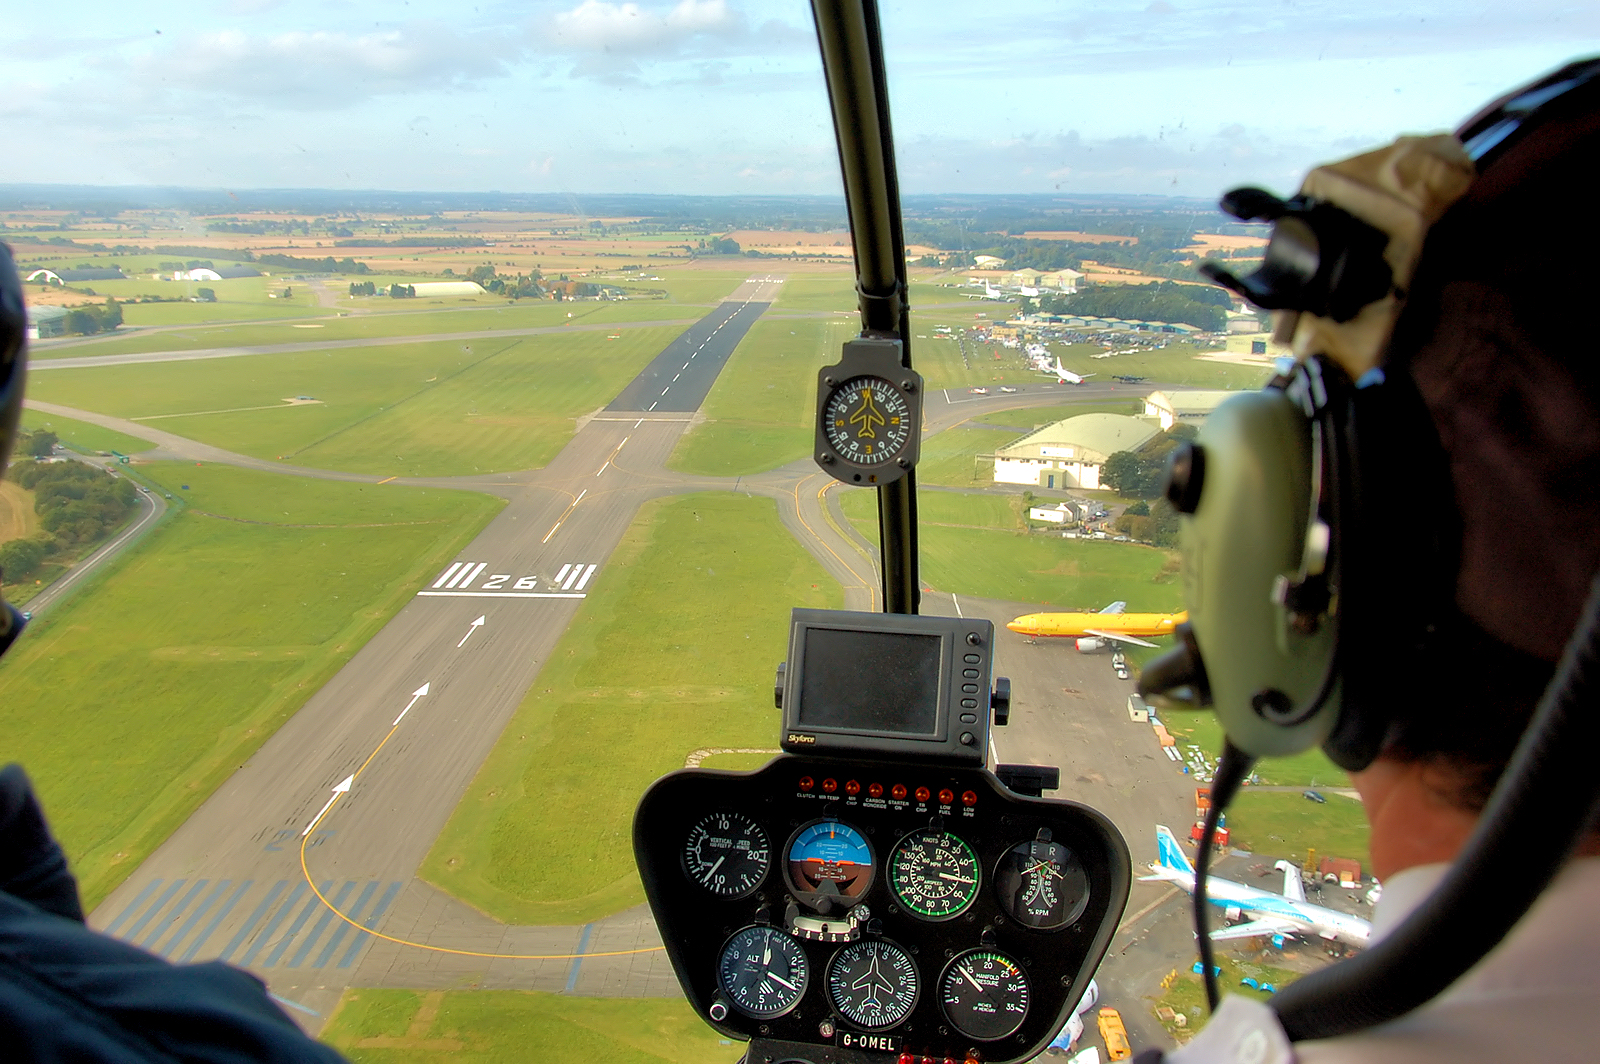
(462, 578)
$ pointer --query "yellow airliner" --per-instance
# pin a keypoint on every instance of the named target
(1096, 630)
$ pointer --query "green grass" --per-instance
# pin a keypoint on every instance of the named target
(950, 458)
(1285, 824)
(82, 436)
(953, 510)
(1309, 769)
(992, 563)
(1031, 417)
(1174, 364)
(384, 319)
(1187, 994)
(671, 653)
(818, 292)
(513, 1027)
(432, 409)
(760, 413)
(129, 704)
(698, 286)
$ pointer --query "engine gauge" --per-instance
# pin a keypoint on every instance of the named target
(874, 985)
(727, 854)
(1042, 884)
(827, 860)
(763, 972)
(933, 874)
(984, 994)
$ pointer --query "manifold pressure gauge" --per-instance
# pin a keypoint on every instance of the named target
(869, 415)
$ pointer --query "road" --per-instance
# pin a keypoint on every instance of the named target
(370, 769)
(150, 509)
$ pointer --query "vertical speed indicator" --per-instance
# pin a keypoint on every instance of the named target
(727, 854)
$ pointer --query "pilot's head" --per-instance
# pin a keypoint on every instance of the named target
(13, 369)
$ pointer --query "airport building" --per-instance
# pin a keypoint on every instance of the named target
(1187, 408)
(1069, 454)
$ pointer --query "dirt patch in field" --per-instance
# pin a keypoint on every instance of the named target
(1079, 238)
(1205, 243)
(17, 519)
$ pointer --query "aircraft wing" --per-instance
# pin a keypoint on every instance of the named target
(1256, 927)
(1118, 636)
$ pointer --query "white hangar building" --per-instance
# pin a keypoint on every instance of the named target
(1069, 454)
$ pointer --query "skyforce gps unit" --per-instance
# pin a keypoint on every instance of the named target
(888, 685)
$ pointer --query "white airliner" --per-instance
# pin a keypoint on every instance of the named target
(989, 292)
(1063, 375)
(1073, 1030)
(1288, 914)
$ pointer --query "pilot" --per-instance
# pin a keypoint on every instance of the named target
(71, 994)
(1493, 338)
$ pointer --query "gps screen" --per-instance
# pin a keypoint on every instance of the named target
(870, 681)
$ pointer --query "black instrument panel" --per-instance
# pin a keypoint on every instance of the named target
(897, 907)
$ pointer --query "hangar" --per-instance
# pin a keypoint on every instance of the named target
(1069, 453)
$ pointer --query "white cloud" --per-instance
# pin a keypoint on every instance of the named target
(601, 26)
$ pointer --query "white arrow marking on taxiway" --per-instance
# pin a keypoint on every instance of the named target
(343, 788)
(418, 693)
(473, 627)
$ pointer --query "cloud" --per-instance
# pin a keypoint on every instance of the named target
(600, 26)
(318, 68)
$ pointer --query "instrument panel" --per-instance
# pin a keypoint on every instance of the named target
(837, 910)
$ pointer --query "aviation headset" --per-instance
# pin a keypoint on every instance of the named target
(1318, 608)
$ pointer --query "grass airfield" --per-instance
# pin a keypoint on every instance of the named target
(130, 703)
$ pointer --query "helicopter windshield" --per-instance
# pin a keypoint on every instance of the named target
(421, 458)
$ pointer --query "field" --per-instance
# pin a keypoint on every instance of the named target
(373, 1026)
(760, 412)
(167, 694)
(626, 694)
(17, 519)
(382, 319)
(83, 437)
(1285, 824)
(968, 549)
(430, 409)
(951, 457)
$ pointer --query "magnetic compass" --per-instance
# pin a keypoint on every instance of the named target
(869, 414)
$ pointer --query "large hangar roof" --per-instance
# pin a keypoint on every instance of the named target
(1091, 437)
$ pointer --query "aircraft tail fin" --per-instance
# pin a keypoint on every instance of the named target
(1293, 889)
(1168, 853)
(1115, 607)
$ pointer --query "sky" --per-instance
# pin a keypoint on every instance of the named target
(1175, 97)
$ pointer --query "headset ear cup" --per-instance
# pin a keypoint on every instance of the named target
(1398, 551)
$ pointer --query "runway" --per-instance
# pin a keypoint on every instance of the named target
(370, 769)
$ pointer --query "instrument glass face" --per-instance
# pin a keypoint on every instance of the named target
(1042, 885)
(874, 985)
(763, 972)
(985, 994)
(727, 854)
(830, 859)
(867, 420)
(934, 874)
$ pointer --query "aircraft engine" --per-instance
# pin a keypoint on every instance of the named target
(1089, 646)
(1231, 913)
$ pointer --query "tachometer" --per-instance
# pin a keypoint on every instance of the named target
(985, 994)
(763, 972)
(933, 874)
(1042, 884)
(727, 854)
(829, 860)
(873, 984)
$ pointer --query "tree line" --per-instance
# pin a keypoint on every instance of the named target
(1203, 306)
(77, 504)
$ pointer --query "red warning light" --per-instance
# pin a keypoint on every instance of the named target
(969, 798)
(830, 785)
(907, 1057)
(806, 783)
(923, 794)
(874, 790)
(898, 792)
(947, 796)
(852, 787)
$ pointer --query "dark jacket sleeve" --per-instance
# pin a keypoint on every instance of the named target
(71, 994)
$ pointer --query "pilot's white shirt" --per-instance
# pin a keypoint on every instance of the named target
(1535, 997)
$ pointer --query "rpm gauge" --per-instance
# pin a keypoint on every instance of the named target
(827, 860)
(874, 985)
(985, 994)
(763, 972)
(1042, 884)
(934, 874)
(727, 854)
